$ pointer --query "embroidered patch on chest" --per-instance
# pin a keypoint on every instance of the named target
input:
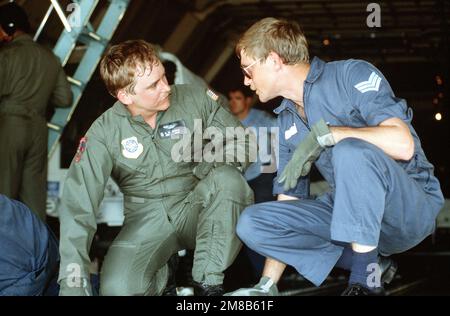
(172, 129)
(132, 149)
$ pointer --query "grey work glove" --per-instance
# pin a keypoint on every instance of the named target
(307, 152)
(75, 287)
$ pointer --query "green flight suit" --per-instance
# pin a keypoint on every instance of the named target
(30, 77)
(166, 207)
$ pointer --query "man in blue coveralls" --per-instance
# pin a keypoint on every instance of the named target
(344, 117)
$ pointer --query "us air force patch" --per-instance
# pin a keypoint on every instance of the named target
(81, 149)
(212, 95)
(132, 149)
(172, 129)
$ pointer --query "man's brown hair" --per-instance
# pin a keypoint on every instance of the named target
(124, 62)
(275, 35)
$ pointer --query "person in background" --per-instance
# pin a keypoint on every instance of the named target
(260, 174)
(31, 78)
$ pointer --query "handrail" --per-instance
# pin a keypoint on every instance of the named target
(44, 21)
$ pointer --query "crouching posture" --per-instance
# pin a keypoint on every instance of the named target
(169, 203)
(343, 117)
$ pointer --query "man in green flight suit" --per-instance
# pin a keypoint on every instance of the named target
(169, 203)
(31, 77)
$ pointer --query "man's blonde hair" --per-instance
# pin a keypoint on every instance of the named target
(124, 62)
(275, 35)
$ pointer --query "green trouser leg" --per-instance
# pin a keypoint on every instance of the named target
(136, 261)
(209, 223)
(33, 190)
(205, 220)
(23, 172)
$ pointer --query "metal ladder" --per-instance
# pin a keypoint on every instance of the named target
(80, 30)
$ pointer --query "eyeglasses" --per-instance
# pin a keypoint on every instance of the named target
(245, 71)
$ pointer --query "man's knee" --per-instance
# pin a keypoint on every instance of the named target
(115, 287)
(230, 179)
(352, 151)
(246, 227)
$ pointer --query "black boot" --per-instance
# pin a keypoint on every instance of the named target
(359, 290)
(171, 287)
(388, 269)
(203, 289)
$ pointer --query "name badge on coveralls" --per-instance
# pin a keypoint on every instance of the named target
(172, 129)
(132, 149)
(290, 132)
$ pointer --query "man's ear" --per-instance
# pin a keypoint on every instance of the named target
(124, 97)
(275, 60)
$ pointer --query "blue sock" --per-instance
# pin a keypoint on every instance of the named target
(361, 271)
(345, 261)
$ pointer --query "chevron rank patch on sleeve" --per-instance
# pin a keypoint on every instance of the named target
(373, 84)
(212, 95)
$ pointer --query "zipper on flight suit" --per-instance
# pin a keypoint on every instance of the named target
(157, 146)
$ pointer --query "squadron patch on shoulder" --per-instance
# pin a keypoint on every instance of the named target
(132, 149)
(212, 95)
(81, 149)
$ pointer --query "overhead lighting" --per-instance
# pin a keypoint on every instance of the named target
(326, 42)
(438, 116)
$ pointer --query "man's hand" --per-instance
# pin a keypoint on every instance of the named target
(203, 169)
(306, 154)
(75, 287)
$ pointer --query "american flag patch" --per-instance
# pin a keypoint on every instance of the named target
(212, 95)
(81, 149)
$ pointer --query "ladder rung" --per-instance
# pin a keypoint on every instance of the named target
(88, 37)
(55, 127)
(94, 36)
(74, 81)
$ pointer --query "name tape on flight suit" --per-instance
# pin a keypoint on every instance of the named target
(172, 129)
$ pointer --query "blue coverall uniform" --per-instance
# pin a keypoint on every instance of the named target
(374, 200)
(29, 251)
